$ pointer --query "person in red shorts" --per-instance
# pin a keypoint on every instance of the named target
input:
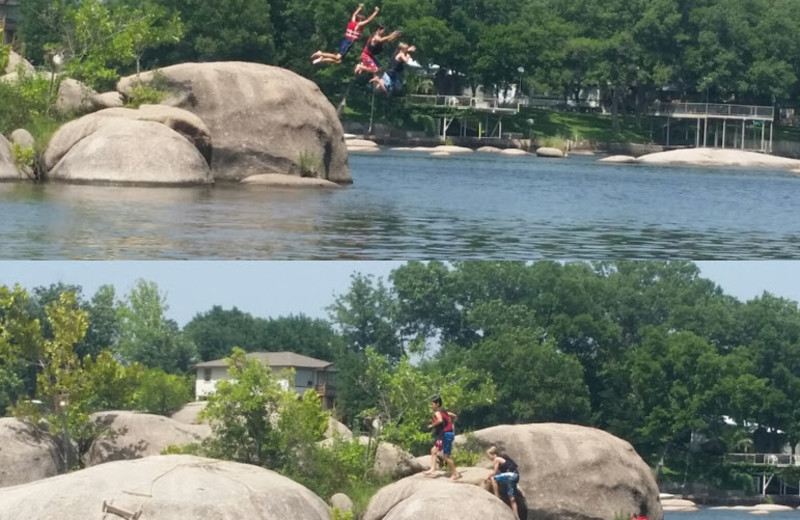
(351, 36)
(373, 48)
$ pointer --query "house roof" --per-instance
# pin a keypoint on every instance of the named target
(277, 360)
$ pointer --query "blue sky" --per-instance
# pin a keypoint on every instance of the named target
(272, 289)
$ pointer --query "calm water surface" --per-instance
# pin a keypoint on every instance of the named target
(727, 514)
(406, 205)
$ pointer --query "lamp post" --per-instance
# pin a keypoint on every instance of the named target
(521, 71)
(62, 410)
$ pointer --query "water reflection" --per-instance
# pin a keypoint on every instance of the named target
(408, 206)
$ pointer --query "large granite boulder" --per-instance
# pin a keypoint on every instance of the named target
(719, 157)
(130, 435)
(74, 96)
(577, 472)
(263, 119)
(418, 498)
(27, 453)
(16, 61)
(190, 413)
(167, 487)
(8, 171)
(98, 148)
(335, 428)
(393, 462)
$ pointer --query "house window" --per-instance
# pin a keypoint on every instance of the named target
(207, 374)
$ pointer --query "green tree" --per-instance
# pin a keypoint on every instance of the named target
(401, 394)
(252, 416)
(146, 336)
(161, 393)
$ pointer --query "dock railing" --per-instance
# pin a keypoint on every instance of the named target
(767, 459)
(715, 110)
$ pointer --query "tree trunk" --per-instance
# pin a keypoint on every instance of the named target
(615, 110)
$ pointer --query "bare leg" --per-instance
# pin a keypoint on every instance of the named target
(454, 474)
(495, 488)
(325, 59)
(513, 501)
(433, 462)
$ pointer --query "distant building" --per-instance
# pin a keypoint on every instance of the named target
(9, 19)
(310, 373)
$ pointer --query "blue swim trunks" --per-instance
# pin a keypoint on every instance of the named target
(447, 442)
(511, 479)
(344, 46)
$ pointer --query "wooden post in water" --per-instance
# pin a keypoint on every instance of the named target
(763, 130)
(705, 132)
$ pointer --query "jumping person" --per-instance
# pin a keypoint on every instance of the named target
(351, 36)
(442, 424)
(504, 470)
(374, 46)
(436, 449)
(391, 81)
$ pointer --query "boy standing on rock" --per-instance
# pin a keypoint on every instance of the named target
(351, 36)
(443, 426)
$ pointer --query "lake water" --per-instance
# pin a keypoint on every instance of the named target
(727, 514)
(406, 205)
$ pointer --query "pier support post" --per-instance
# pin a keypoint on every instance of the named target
(743, 134)
(724, 121)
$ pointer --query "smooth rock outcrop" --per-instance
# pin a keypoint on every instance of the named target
(169, 487)
(108, 100)
(281, 180)
(514, 151)
(130, 435)
(118, 150)
(74, 96)
(392, 461)
(15, 61)
(577, 472)
(678, 505)
(797, 170)
(553, 153)
(182, 121)
(489, 149)
(27, 453)
(453, 149)
(619, 159)
(335, 428)
(23, 138)
(342, 502)
(190, 413)
(361, 145)
(719, 157)
(8, 172)
(421, 498)
(263, 119)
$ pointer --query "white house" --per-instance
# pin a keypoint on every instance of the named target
(310, 373)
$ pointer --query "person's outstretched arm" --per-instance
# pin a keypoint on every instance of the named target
(355, 13)
(371, 17)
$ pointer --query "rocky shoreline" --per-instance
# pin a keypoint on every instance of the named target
(710, 157)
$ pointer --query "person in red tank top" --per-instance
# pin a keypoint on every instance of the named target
(351, 36)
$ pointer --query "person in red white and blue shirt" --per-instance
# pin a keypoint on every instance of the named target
(351, 36)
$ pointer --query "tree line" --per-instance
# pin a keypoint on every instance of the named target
(635, 51)
(649, 351)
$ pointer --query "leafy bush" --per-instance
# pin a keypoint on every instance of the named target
(161, 393)
(310, 164)
(332, 469)
(23, 156)
(469, 453)
(144, 94)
